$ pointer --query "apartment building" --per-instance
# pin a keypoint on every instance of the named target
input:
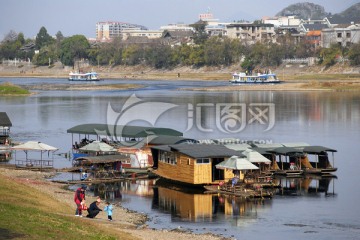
(251, 32)
(109, 30)
(342, 35)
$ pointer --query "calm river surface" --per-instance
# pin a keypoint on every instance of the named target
(306, 209)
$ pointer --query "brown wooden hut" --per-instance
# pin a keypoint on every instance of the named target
(192, 163)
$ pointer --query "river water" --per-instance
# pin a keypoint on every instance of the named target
(306, 208)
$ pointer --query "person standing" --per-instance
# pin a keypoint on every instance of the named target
(78, 198)
(109, 209)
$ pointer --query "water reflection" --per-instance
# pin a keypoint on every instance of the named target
(113, 191)
(184, 205)
(5, 156)
(306, 186)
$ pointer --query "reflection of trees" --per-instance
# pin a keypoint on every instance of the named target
(317, 106)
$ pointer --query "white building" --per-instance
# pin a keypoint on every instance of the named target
(109, 30)
(151, 34)
(282, 21)
(344, 36)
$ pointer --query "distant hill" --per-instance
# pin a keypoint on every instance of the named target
(304, 10)
(352, 14)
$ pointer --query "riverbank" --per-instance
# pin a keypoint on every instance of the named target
(48, 202)
(295, 77)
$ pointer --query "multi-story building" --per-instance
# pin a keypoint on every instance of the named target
(342, 35)
(251, 32)
(109, 30)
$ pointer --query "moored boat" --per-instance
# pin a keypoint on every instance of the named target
(260, 78)
(321, 162)
(89, 76)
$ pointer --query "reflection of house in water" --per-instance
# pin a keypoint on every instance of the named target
(307, 186)
(200, 207)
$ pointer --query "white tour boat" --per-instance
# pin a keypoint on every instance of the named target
(89, 76)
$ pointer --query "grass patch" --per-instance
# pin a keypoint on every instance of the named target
(11, 89)
(26, 213)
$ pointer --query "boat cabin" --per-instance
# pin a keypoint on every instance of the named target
(319, 159)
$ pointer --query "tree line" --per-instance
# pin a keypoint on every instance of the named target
(206, 51)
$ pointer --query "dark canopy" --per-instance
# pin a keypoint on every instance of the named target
(317, 149)
(5, 120)
(201, 150)
(285, 151)
(122, 131)
(161, 140)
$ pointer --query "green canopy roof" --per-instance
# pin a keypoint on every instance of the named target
(122, 131)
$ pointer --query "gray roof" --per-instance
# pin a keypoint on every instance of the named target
(122, 131)
(178, 34)
(5, 120)
(200, 150)
(170, 140)
(317, 149)
(285, 150)
(314, 27)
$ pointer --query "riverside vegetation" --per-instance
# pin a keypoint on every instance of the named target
(206, 51)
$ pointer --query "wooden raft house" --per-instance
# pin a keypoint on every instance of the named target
(5, 141)
(192, 164)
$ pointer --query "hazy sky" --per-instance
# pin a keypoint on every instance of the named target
(80, 16)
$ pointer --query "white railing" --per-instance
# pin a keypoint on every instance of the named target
(309, 61)
(16, 62)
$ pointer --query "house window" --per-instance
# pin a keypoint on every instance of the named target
(348, 35)
(202, 161)
(339, 35)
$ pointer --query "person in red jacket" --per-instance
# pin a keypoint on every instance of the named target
(79, 196)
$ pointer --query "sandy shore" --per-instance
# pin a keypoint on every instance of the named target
(124, 219)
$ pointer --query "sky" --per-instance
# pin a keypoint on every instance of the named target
(80, 16)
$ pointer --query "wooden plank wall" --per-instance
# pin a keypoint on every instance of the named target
(186, 170)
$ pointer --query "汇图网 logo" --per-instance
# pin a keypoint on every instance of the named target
(228, 118)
